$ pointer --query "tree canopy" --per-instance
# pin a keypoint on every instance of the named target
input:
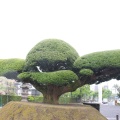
(51, 55)
(54, 67)
(99, 60)
(102, 66)
(106, 93)
(10, 68)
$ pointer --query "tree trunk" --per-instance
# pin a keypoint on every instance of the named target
(51, 94)
(50, 99)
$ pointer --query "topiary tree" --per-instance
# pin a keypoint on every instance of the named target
(49, 67)
(63, 70)
(53, 67)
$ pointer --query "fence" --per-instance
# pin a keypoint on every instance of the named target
(4, 99)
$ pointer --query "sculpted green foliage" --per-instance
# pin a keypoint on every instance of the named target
(57, 78)
(105, 65)
(86, 72)
(99, 60)
(50, 55)
(8, 65)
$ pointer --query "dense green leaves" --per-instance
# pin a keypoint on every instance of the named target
(8, 65)
(58, 78)
(80, 92)
(86, 72)
(99, 60)
(50, 55)
(106, 93)
(105, 66)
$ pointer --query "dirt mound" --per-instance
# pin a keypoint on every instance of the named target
(34, 111)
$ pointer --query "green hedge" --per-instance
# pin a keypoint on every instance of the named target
(35, 98)
(62, 100)
(67, 100)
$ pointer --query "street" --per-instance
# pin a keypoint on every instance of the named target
(110, 111)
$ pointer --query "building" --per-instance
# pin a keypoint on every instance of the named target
(32, 91)
(11, 87)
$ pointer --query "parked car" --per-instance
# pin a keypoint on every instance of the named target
(105, 101)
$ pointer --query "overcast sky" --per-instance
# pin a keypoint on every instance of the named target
(87, 25)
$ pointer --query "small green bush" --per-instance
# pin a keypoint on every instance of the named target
(35, 98)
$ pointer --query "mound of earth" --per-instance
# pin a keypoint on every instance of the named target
(36, 111)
